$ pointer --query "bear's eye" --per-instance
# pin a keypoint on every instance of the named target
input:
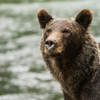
(66, 31)
(48, 31)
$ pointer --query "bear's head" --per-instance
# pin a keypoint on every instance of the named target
(64, 36)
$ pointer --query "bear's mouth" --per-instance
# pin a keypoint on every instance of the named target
(57, 55)
(54, 52)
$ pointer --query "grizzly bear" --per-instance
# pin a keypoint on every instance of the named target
(71, 54)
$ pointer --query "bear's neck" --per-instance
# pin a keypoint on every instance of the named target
(72, 74)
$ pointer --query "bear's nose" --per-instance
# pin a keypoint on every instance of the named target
(50, 44)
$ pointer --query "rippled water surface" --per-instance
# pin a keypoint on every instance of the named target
(22, 72)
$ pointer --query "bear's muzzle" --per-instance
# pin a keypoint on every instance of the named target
(50, 44)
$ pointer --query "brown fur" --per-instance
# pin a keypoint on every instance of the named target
(75, 60)
(42, 19)
(99, 45)
(84, 18)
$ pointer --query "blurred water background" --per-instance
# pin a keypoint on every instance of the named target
(22, 72)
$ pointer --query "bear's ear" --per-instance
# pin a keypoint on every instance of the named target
(84, 18)
(43, 18)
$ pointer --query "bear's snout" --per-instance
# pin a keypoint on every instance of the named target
(50, 43)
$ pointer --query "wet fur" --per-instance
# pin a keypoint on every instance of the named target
(78, 76)
(77, 71)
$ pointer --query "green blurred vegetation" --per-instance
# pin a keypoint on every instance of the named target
(28, 1)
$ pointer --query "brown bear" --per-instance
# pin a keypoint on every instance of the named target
(71, 54)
